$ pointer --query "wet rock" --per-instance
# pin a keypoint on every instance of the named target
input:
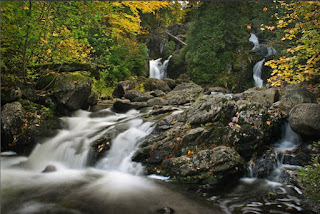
(9, 95)
(165, 210)
(183, 93)
(137, 96)
(157, 102)
(157, 93)
(209, 166)
(102, 113)
(217, 89)
(49, 168)
(305, 119)
(163, 110)
(170, 82)
(155, 84)
(294, 95)
(126, 105)
(12, 121)
(191, 136)
(123, 87)
(93, 99)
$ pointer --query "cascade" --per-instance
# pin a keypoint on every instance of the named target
(251, 195)
(257, 69)
(264, 51)
(114, 185)
(158, 70)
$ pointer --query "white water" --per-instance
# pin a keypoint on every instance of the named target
(157, 69)
(254, 195)
(254, 39)
(257, 69)
(71, 146)
(115, 185)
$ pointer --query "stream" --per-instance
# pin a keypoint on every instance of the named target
(57, 177)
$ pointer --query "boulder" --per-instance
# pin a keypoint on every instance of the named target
(305, 119)
(137, 96)
(93, 99)
(171, 83)
(211, 110)
(9, 95)
(209, 166)
(49, 168)
(157, 102)
(12, 122)
(264, 97)
(122, 87)
(157, 93)
(294, 95)
(125, 105)
(218, 89)
(154, 84)
(71, 95)
(184, 93)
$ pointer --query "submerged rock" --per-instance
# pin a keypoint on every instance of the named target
(49, 168)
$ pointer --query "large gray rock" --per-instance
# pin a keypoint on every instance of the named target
(264, 97)
(137, 96)
(217, 164)
(171, 83)
(157, 102)
(71, 95)
(184, 93)
(126, 105)
(294, 95)
(305, 119)
(154, 84)
(123, 87)
(12, 121)
(211, 110)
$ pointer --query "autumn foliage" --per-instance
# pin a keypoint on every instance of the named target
(300, 27)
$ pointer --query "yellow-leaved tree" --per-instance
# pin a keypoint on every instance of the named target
(301, 34)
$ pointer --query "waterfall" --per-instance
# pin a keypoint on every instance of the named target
(114, 185)
(254, 39)
(124, 146)
(158, 70)
(254, 195)
(71, 146)
(257, 73)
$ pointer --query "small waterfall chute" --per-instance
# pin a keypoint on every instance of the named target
(158, 70)
(257, 70)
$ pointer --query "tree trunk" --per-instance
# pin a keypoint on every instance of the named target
(26, 43)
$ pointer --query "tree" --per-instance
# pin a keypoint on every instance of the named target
(300, 61)
(35, 33)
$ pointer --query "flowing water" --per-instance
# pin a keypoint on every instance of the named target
(257, 73)
(257, 195)
(158, 70)
(262, 50)
(115, 185)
